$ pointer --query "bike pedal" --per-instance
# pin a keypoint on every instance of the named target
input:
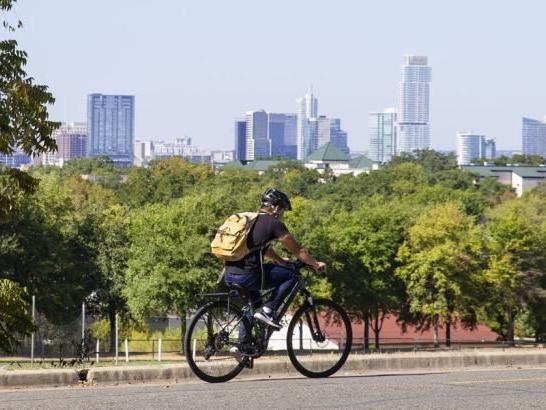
(249, 363)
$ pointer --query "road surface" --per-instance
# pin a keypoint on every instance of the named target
(484, 389)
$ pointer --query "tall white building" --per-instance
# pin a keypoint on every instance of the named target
(383, 135)
(533, 137)
(472, 146)
(307, 108)
(413, 120)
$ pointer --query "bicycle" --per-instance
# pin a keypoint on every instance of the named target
(214, 331)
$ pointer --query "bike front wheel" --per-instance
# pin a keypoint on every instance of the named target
(319, 338)
(212, 332)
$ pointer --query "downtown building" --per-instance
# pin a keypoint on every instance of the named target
(307, 109)
(17, 159)
(240, 140)
(266, 135)
(472, 147)
(147, 151)
(324, 130)
(110, 120)
(182, 148)
(533, 137)
(382, 131)
(71, 139)
(413, 119)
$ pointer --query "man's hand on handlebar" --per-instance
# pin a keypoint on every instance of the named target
(320, 267)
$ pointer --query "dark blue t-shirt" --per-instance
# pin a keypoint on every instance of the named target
(267, 228)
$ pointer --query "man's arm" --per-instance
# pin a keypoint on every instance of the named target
(291, 245)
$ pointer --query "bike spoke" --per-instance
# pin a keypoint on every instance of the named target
(319, 339)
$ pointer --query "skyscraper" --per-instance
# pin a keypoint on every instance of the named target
(323, 130)
(307, 108)
(490, 149)
(414, 131)
(382, 132)
(110, 120)
(533, 137)
(71, 139)
(257, 141)
(240, 140)
(472, 146)
(282, 134)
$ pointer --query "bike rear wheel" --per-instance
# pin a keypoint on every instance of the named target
(211, 333)
(319, 338)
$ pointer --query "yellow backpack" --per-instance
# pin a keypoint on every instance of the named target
(229, 243)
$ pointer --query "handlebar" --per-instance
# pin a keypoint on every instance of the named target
(297, 265)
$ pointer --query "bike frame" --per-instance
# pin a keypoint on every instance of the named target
(299, 287)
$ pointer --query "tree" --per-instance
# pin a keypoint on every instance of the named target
(440, 265)
(163, 181)
(169, 257)
(14, 317)
(111, 250)
(42, 247)
(364, 244)
(429, 159)
(515, 233)
(24, 120)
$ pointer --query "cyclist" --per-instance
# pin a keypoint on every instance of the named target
(249, 271)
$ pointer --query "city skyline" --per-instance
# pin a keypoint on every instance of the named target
(195, 69)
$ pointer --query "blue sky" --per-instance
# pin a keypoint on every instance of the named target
(195, 66)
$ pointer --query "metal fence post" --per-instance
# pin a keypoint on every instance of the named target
(32, 335)
(117, 337)
(83, 322)
(126, 351)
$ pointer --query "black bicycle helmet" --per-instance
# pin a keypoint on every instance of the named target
(274, 197)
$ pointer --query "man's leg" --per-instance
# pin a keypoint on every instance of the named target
(282, 279)
(250, 284)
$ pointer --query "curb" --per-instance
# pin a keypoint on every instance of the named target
(355, 364)
(39, 378)
(267, 368)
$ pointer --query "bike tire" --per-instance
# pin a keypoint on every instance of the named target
(188, 350)
(301, 366)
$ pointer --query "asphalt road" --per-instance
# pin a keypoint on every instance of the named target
(499, 389)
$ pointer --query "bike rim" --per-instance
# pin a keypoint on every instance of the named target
(213, 332)
(318, 348)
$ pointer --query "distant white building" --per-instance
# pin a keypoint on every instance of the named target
(383, 135)
(472, 146)
(414, 128)
(142, 152)
(307, 108)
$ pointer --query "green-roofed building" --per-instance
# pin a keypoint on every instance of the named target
(260, 165)
(328, 153)
(330, 157)
(521, 178)
(363, 162)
